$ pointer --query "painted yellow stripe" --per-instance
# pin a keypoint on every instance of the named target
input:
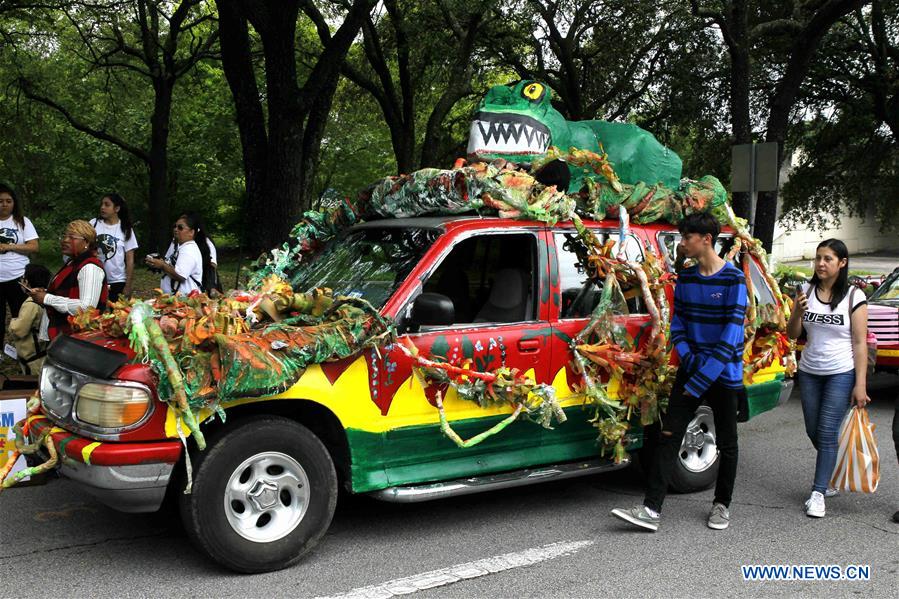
(888, 353)
(349, 398)
(87, 451)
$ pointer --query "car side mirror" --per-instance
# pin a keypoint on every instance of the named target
(432, 309)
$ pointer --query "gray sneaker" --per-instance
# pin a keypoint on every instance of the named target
(638, 516)
(719, 517)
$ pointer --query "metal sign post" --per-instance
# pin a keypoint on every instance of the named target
(754, 168)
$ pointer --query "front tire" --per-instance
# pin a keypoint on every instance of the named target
(696, 467)
(263, 495)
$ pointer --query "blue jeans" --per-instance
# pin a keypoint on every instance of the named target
(825, 401)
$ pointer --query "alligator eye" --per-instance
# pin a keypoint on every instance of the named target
(533, 91)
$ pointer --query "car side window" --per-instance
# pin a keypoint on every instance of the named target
(669, 240)
(581, 295)
(489, 278)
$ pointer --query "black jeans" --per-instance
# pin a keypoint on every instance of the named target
(896, 427)
(12, 295)
(115, 290)
(681, 410)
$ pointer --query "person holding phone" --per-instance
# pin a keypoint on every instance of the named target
(18, 239)
(833, 367)
(80, 284)
(183, 269)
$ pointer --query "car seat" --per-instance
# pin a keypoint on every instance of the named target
(509, 298)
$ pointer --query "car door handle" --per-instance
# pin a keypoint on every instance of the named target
(528, 346)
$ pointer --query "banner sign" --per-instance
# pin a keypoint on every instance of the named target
(12, 410)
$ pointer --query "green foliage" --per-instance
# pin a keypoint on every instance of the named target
(651, 63)
(849, 160)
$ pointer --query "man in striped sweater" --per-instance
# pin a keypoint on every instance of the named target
(707, 332)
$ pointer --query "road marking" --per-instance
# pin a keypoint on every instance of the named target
(453, 574)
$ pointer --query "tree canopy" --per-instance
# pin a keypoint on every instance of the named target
(248, 111)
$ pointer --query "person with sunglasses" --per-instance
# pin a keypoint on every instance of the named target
(182, 271)
(80, 284)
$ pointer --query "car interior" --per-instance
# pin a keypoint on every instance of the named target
(489, 278)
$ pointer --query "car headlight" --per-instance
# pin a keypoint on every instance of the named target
(111, 406)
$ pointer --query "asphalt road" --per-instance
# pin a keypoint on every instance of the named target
(55, 541)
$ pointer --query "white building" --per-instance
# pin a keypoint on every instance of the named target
(861, 235)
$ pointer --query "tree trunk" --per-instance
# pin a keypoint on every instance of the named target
(280, 164)
(741, 124)
(283, 186)
(157, 164)
(402, 137)
(238, 67)
(802, 52)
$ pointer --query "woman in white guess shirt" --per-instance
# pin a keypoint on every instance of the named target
(833, 367)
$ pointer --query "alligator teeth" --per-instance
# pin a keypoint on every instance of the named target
(497, 136)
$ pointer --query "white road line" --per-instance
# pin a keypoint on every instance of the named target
(453, 574)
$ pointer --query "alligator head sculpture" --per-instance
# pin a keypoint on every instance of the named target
(518, 122)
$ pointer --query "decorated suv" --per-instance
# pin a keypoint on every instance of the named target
(445, 332)
(478, 292)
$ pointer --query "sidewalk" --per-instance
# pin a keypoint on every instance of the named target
(881, 262)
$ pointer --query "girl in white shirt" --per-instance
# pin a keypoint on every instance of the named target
(116, 244)
(183, 271)
(832, 370)
(18, 239)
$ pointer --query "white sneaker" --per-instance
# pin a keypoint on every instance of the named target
(814, 506)
(831, 492)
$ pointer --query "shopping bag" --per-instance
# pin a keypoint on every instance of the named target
(858, 464)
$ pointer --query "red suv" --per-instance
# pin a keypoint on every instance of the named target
(474, 291)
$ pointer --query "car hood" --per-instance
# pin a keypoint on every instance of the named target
(119, 344)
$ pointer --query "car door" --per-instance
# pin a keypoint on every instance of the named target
(577, 297)
(492, 278)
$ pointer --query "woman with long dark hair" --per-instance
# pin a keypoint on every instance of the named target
(183, 269)
(18, 239)
(833, 367)
(210, 262)
(116, 244)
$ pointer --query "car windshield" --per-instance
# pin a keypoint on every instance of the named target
(889, 290)
(366, 263)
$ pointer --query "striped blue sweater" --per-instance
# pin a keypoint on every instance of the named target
(707, 327)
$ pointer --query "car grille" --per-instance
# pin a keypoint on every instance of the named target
(58, 389)
(883, 321)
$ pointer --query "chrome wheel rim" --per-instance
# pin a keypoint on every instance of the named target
(698, 449)
(266, 497)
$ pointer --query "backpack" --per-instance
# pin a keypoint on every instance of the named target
(211, 281)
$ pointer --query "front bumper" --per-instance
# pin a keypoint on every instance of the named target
(128, 477)
(133, 489)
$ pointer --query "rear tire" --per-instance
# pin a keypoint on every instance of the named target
(263, 495)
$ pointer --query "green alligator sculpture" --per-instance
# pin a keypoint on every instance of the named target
(518, 122)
